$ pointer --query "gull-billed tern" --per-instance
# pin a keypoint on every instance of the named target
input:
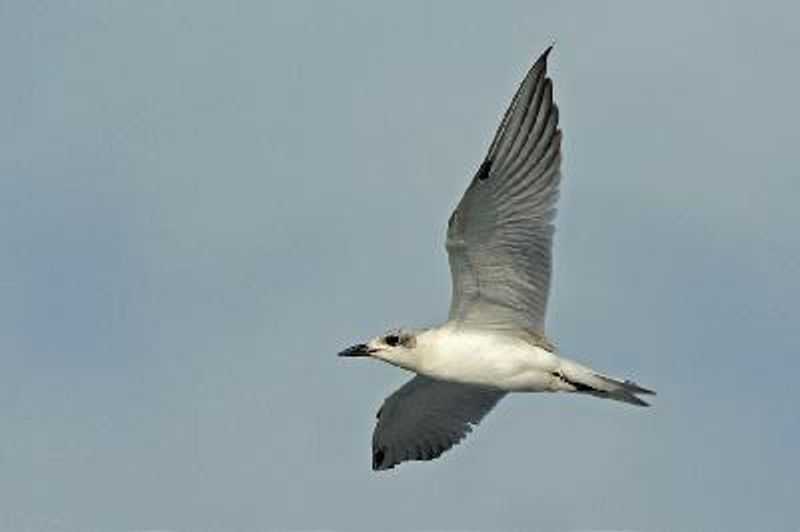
(499, 241)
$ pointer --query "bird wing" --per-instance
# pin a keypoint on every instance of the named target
(499, 238)
(426, 417)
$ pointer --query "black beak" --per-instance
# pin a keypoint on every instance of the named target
(360, 350)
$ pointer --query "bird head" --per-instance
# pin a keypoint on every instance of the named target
(395, 347)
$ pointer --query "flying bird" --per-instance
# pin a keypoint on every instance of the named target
(499, 242)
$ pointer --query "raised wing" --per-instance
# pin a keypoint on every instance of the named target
(499, 238)
(425, 418)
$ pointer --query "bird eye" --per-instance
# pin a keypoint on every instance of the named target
(392, 340)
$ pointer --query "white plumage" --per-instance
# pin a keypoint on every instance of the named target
(499, 241)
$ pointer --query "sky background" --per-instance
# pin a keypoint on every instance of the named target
(201, 203)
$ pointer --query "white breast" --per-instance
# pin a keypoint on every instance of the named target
(485, 358)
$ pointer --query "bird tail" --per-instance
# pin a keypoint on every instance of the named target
(590, 382)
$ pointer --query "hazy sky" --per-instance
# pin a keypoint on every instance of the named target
(201, 203)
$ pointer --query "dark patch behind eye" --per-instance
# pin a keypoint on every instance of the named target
(408, 341)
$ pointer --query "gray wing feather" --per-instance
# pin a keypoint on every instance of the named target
(499, 238)
(426, 417)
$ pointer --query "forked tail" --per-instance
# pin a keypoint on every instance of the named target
(590, 382)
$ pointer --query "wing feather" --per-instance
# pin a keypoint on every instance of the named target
(426, 417)
(499, 238)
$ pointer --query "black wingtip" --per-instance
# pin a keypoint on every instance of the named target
(541, 63)
(546, 52)
(377, 459)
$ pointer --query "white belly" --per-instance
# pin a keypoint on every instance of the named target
(491, 360)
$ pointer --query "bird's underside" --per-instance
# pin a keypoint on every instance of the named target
(499, 243)
(500, 264)
(428, 416)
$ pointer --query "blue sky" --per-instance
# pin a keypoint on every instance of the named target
(201, 203)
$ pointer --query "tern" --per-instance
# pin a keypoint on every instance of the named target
(499, 243)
